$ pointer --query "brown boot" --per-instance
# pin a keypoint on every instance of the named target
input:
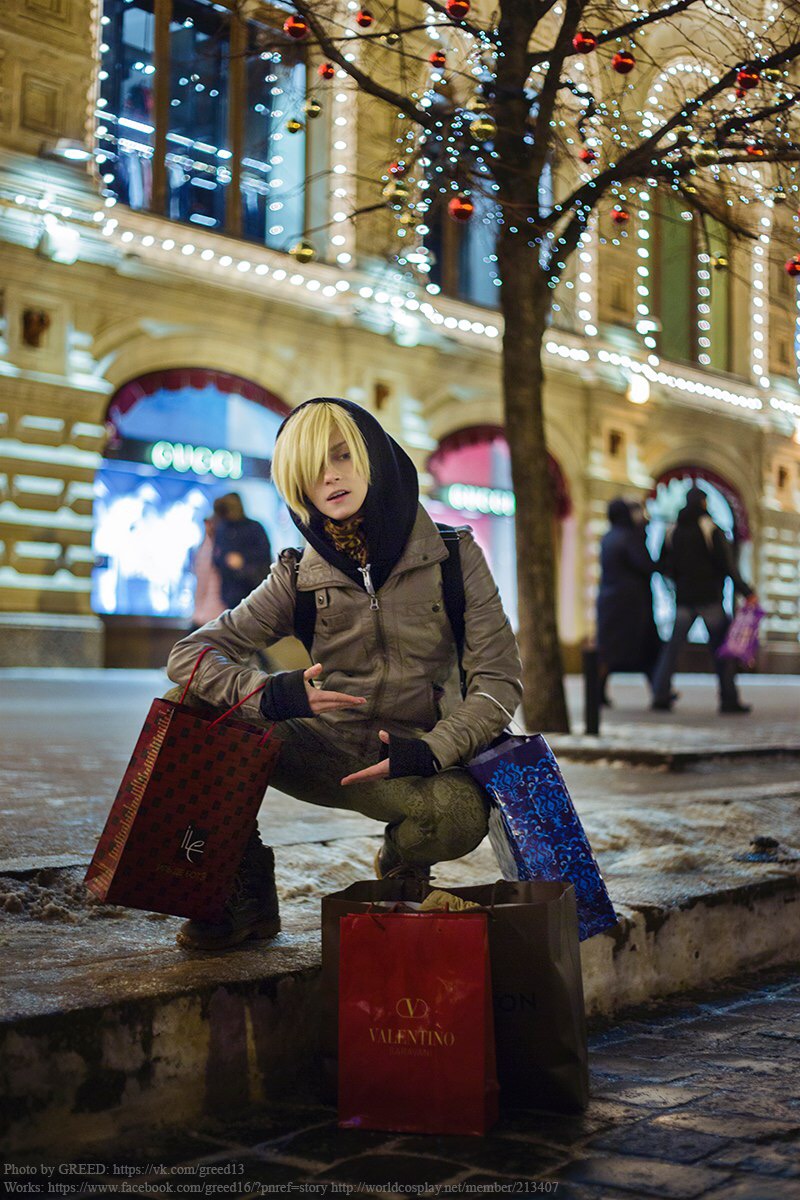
(251, 910)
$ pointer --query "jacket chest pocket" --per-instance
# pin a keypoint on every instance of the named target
(424, 632)
(329, 621)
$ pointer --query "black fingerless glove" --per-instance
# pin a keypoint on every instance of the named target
(410, 756)
(285, 696)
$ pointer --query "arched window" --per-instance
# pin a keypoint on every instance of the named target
(726, 509)
(472, 470)
(177, 440)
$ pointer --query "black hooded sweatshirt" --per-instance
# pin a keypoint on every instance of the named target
(390, 507)
(389, 511)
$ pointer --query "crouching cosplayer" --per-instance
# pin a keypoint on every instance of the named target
(378, 723)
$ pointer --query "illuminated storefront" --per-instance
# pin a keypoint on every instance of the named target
(472, 470)
(726, 509)
(177, 440)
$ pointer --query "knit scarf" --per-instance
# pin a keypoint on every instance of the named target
(348, 537)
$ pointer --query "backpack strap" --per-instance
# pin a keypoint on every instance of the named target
(305, 607)
(455, 601)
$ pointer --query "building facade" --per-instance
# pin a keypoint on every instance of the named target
(160, 164)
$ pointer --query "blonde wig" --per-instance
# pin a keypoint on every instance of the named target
(301, 451)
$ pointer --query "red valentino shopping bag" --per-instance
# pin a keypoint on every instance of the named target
(185, 808)
(416, 1032)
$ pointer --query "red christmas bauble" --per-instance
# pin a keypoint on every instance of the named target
(296, 27)
(584, 42)
(326, 70)
(587, 155)
(792, 267)
(756, 151)
(740, 93)
(457, 9)
(620, 215)
(397, 169)
(438, 59)
(461, 208)
(748, 79)
(623, 62)
(364, 18)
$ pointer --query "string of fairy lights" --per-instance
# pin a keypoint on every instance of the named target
(444, 170)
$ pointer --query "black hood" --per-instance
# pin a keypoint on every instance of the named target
(390, 508)
(619, 513)
(694, 508)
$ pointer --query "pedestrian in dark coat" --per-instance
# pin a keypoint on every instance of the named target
(242, 553)
(697, 556)
(627, 638)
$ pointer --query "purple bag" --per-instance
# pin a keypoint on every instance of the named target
(741, 640)
(534, 829)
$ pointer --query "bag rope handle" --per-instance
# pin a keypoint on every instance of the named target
(228, 711)
(200, 658)
(503, 709)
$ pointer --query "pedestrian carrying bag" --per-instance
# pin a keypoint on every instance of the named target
(416, 1037)
(534, 829)
(741, 640)
(185, 808)
(537, 987)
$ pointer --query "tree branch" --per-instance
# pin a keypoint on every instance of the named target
(460, 23)
(631, 27)
(638, 160)
(367, 84)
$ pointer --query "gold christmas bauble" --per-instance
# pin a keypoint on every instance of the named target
(772, 74)
(719, 262)
(303, 251)
(779, 196)
(476, 104)
(705, 155)
(396, 190)
(313, 107)
(294, 126)
(407, 217)
(391, 39)
(483, 128)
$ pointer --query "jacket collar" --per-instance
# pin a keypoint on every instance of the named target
(424, 546)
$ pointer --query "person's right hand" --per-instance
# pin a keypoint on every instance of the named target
(320, 701)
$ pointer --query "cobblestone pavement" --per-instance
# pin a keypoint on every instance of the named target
(697, 1097)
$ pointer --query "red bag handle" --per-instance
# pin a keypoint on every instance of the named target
(228, 711)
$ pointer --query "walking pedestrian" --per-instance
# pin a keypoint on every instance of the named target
(697, 556)
(242, 553)
(378, 724)
(208, 602)
(627, 638)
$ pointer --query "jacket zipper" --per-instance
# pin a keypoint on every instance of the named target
(380, 636)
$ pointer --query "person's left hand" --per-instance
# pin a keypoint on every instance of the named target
(370, 774)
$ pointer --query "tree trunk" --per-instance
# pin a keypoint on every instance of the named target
(525, 305)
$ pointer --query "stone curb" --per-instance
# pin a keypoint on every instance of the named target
(77, 1077)
(671, 760)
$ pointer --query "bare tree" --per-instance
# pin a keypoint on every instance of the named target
(538, 89)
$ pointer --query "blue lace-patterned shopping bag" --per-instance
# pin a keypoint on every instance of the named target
(534, 829)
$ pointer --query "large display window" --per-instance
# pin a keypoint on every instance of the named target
(473, 486)
(177, 440)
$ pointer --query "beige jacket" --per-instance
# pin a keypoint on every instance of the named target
(397, 649)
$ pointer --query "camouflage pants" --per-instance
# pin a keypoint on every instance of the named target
(428, 820)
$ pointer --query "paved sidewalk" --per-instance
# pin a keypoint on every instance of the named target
(142, 1030)
(694, 728)
(697, 1097)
